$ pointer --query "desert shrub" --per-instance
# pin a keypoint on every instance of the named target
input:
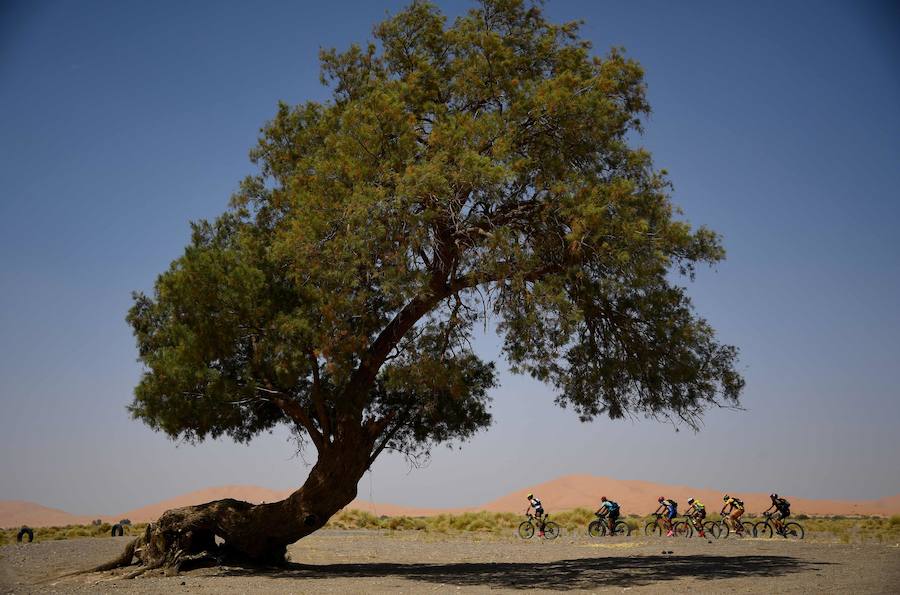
(404, 523)
(574, 519)
(894, 521)
(355, 519)
(479, 521)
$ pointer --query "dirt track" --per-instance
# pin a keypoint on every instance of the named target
(373, 562)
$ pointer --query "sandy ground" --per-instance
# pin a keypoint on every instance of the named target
(410, 562)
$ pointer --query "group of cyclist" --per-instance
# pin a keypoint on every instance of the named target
(668, 510)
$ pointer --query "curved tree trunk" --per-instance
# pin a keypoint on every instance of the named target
(252, 533)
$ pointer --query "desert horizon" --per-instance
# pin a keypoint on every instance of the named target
(563, 493)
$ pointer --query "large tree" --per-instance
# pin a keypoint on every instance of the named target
(479, 172)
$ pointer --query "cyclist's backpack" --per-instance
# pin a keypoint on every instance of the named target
(674, 504)
(614, 506)
(738, 502)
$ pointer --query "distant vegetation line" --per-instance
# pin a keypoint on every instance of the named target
(831, 528)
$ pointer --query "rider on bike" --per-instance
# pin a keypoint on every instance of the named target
(610, 510)
(782, 511)
(538, 512)
(734, 513)
(696, 512)
(671, 508)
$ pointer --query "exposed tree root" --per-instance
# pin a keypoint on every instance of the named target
(240, 533)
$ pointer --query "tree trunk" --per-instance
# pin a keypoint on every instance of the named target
(252, 533)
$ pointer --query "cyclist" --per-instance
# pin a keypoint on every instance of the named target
(696, 512)
(671, 508)
(735, 510)
(538, 512)
(782, 511)
(610, 510)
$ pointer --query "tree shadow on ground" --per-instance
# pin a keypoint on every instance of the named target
(562, 575)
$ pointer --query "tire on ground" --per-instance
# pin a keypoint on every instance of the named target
(526, 530)
(25, 531)
(551, 530)
(117, 530)
(763, 529)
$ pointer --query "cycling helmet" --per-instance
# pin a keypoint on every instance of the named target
(725, 497)
(530, 496)
(690, 500)
(660, 499)
(603, 498)
(773, 496)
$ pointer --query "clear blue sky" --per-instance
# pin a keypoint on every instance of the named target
(778, 121)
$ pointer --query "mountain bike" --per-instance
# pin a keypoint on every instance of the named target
(710, 528)
(725, 529)
(767, 528)
(600, 527)
(656, 526)
(527, 527)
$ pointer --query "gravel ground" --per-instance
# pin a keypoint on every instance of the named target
(411, 562)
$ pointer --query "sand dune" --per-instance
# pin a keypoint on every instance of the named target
(14, 513)
(252, 494)
(563, 493)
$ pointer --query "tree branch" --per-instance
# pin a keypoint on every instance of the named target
(474, 279)
(390, 435)
(294, 411)
(321, 412)
(364, 375)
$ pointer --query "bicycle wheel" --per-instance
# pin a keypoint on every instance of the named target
(653, 528)
(622, 528)
(682, 529)
(746, 530)
(763, 529)
(793, 531)
(724, 530)
(551, 530)
(596, 529)
(712, 529)
(526, 530)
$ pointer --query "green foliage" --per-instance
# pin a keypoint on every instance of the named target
(68, 532)
(480, 168)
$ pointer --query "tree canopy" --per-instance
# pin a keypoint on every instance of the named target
(480, 170)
